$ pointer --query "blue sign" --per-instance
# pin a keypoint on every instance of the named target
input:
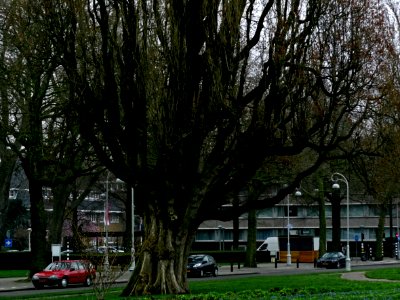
(356, 237)
(8, 243)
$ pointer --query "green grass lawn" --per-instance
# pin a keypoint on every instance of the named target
(388, 273)
(312, 286)
(13, 273)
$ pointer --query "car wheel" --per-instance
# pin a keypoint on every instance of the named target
(38, 286)
(88, 281)
(63, 282)
(201, 273)
(215, 273)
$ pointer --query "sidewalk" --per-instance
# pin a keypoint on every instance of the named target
(10, 284)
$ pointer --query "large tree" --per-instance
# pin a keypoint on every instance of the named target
(37, 124)
(184, 100)
(7, 157)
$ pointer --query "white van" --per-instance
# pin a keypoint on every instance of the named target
(271, 244)
(303, 248)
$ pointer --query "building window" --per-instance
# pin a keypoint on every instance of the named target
(292, 211)
(114, 218)
(357, 210)
(266, 213)
(312, 211)
(205, 235)
(93, 218)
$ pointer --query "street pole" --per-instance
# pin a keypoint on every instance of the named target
(337, 186)
(220, 236)
(29, 238)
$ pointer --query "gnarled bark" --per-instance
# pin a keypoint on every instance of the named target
(161, 267)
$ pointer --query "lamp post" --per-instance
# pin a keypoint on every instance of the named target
(220, 236)
(339, 177)
(132, 267)
(133, 230)
(289, 254)
(29, 238)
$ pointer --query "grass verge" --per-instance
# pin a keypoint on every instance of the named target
(13, 273)
(312, 286)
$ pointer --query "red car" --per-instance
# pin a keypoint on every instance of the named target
(64, 272)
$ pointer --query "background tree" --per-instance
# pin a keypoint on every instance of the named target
(379, 173)
(7, 157)
(40, 126)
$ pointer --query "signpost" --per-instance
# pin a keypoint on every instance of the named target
(55, 251)
(8, 243)
(356, 238)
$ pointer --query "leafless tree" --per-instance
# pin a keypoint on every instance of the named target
(184, 100)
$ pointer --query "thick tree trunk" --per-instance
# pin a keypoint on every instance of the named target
(322, 226)
(6, 171)
(235, 221)
(60, 194)
(322, 219)
(161, 267)
(336, 227)
(380, 233)
(251, 240)
(40, 251)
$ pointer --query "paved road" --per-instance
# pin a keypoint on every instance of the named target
(15, 284)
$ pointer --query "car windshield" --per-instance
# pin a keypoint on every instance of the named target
(195, 259)
(330, 255)
(55, 266)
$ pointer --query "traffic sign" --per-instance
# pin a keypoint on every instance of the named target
(356, 237)
(8, 243)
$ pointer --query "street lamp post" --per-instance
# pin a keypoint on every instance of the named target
(220, 236)
(339, 177)
(29, 238)
(289, 254)
(133, 265)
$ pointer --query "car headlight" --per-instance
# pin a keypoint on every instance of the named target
(35, 277)
(197, 265)
(53, 277)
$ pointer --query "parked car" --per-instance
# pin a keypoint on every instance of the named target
(64, 272)
(111, 249)
(332, 260)
(200, 265)
(65, 252)
(90, 250)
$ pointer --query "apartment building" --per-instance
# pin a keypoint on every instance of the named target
(303, 219)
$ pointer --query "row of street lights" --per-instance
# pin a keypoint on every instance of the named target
(335, 178)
